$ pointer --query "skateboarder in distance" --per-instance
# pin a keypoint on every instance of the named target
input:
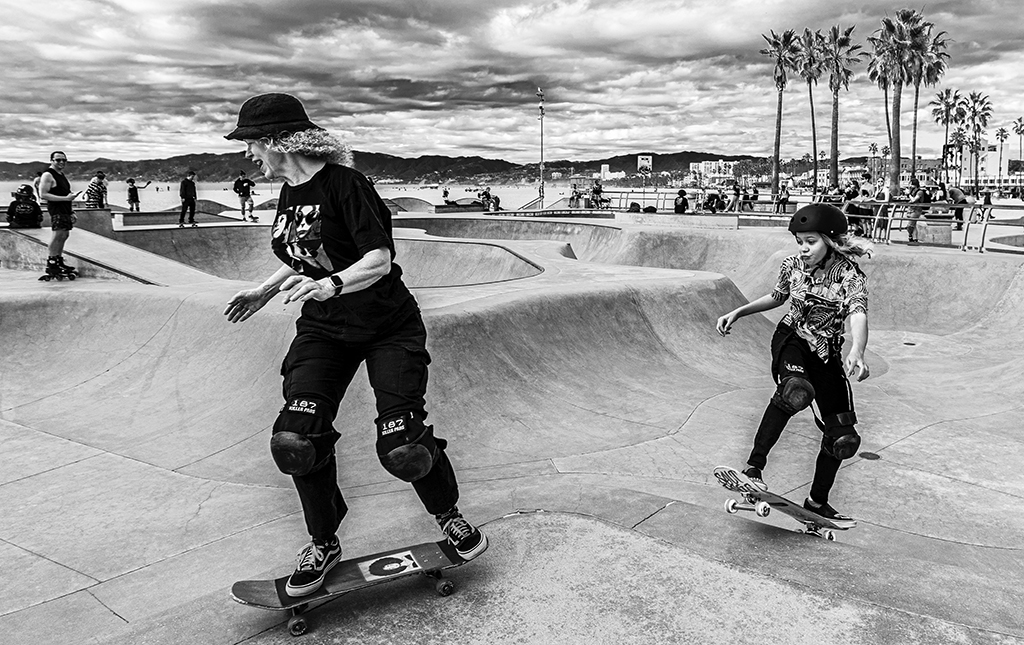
(825, 288)
(333, 234)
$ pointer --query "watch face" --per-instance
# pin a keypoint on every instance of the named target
(337, 282)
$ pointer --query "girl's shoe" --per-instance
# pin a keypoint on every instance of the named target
(825, 511)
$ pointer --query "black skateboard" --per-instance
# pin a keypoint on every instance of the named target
(428, 559)
(762, 502)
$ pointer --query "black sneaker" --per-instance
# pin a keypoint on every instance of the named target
(754, 475)
(825, 511)
(315, 560)
(466, 538)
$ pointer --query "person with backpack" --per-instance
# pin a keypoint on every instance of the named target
(826, 289)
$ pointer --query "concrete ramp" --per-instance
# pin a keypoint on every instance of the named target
(576, 379)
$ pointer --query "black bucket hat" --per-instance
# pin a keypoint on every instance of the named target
(269, 114)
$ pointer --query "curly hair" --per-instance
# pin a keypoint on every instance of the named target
(850, 245)
(317, 144)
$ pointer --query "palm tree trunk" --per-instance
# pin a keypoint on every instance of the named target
(833, 164)
(814, 142)
(888, 123)
(913, 145)
(897, 156)
(945, 142)
(778, 146)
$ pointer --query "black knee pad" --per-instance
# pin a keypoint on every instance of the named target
(793, 394)
(406, 447)
(840, 437)
(304, 437)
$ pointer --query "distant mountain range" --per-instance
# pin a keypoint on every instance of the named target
(430, 168)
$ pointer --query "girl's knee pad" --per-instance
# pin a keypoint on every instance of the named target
(794, 394)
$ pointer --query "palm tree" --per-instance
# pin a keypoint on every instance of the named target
(886, 151)
(810, 66)
(1018, 129)
(1002, 135)
(926, 68)
(978, 111)
(958, 139)
(783, 49)
(895, 44)
(841, 55)
(946, 110)
(879, 75)
(873, 149)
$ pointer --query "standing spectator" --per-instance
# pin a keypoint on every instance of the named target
(957, 196)
(681, 203)
(96, 191)
(55, 188)
(133, 194)
(597, 195)
(243, 188)
(24, 212)
(754, 195)
(35, 184)
(734, 202)
(918, 200)
(187, 193)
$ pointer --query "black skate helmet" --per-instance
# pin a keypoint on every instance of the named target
(24, 190)
(819, 218)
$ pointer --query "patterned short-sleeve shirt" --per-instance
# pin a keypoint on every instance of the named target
(820, 301)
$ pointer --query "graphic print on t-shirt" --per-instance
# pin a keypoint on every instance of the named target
(297, 231)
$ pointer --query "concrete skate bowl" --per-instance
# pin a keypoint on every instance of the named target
(243, 253)
(910, 291)
(597, 387)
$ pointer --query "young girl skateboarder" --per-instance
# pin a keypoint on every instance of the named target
(825, 288)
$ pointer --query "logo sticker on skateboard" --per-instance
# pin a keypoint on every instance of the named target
(389, 565)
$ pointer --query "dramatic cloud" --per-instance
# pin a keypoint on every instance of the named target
(146, 78)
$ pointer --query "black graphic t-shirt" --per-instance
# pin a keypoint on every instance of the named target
(326, 225)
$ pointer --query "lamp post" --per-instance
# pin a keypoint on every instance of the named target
(540, 107)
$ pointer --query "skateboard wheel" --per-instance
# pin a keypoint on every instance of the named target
(730, 506)
(829, 535)
(297, 626)
(444, 587)
(762, 509)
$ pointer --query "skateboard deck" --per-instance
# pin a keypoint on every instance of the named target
(427, 559)
(762, 503)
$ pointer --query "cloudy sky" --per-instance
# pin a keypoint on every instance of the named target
(140, 79)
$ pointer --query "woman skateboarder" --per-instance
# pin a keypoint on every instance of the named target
(333, 234)
(826, 288)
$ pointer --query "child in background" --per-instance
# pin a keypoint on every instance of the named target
(133, 195)
(24, 212)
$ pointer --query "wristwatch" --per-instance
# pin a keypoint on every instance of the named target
(338, 284)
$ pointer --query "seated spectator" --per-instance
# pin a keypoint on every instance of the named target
(650, 209)
(634, 207)
(24, 212)
(681, 203)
